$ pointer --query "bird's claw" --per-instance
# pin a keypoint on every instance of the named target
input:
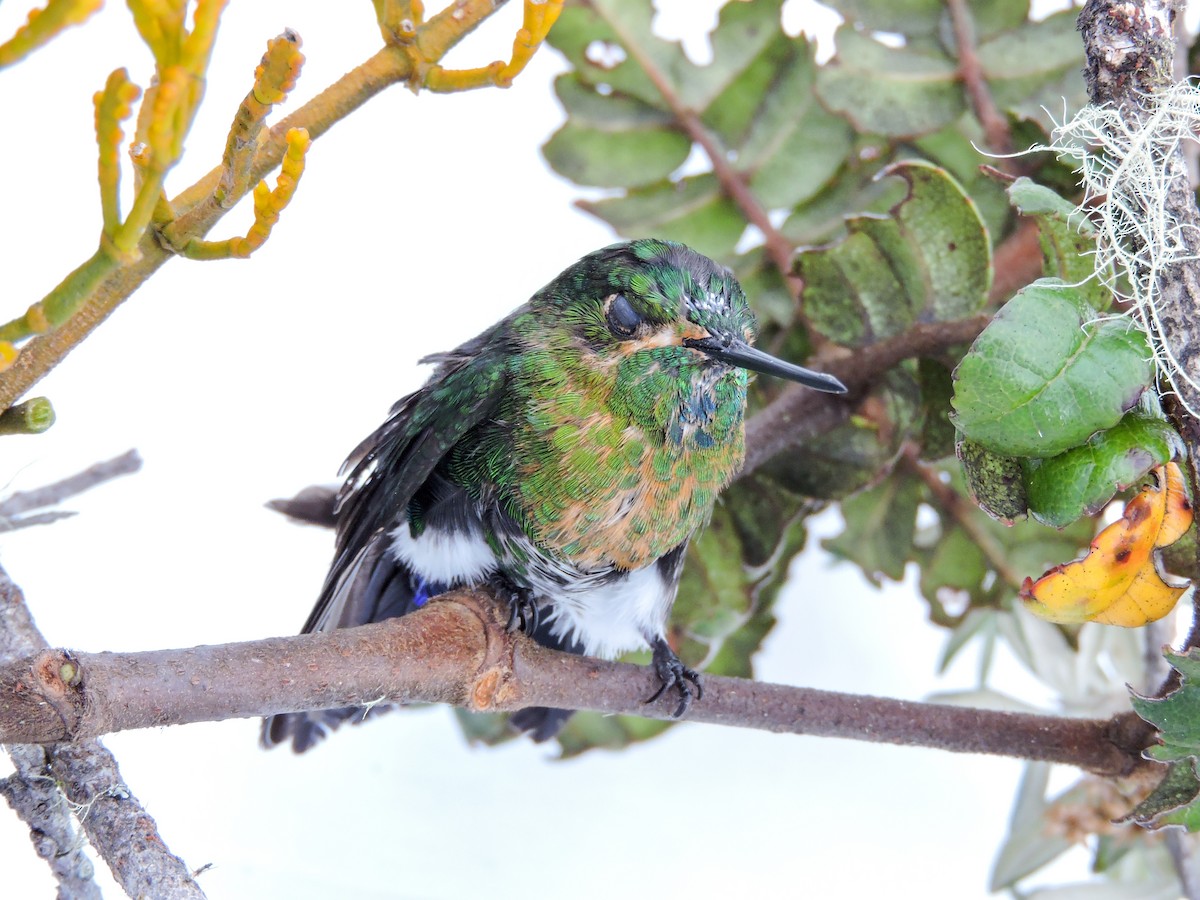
(674, 674)
(523, 613)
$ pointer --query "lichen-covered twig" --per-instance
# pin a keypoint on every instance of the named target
(1128, 143)
(34, 796)
(116, 824)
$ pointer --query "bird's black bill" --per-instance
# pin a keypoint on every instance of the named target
(739, 353)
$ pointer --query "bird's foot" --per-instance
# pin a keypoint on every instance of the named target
(523, 613)
(674, 674)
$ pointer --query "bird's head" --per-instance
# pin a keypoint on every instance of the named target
(663, 327)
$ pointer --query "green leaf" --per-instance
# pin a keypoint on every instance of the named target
(908, 17)
(632, 103)
(954, 563)
(1043, 376)
(615, 158)
(693, 211)
(589, 38)
(900, 92)
(1173, 802)
(994, 16)
(916, 89)
(955, 149)
(937, 431)
(1036, 65)
(930, 260)
(880, 523)
(952, 560)
(714, 592)
(590, 731)
(823, 217)
(791, 146)
(996, 483)
(928, 18)
(1067, 238)
(1177, 715)
(484, 728)
(1081, 481)
(1182, 558)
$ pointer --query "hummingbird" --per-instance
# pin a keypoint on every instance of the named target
(565, 456)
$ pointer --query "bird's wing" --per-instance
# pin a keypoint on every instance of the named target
(392, 464)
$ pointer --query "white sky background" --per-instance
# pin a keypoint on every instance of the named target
(419, 221)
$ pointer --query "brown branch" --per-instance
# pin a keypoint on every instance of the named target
(458, 651)
(995, 127)
(779, 248)
(798, 414)
(116, 824)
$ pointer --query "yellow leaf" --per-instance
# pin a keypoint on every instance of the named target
(1118, 582)
(1178, 517)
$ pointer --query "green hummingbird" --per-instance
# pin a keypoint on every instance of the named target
(566, 455)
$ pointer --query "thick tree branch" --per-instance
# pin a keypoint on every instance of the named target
(457, 651)
(116, 824)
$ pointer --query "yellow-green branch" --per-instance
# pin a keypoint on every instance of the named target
(131, 252)
(44, 24)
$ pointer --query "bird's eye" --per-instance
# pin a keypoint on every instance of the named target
(623, 319)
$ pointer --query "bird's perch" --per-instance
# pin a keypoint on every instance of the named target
(457, 651)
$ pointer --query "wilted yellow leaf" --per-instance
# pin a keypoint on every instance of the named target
(1118, 581)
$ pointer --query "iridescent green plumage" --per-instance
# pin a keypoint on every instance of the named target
(569, 453)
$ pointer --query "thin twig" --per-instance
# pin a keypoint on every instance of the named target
(458, 651)
(995, 127)
(779, 248)
(52, 494)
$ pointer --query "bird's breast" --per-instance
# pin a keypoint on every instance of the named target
(602, 492)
